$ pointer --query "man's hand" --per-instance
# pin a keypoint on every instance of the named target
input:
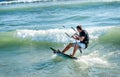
(76, 37)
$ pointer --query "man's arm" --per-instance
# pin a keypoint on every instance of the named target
(81, 38)
(77, 37)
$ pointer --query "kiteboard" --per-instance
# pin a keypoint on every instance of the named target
(59, 53)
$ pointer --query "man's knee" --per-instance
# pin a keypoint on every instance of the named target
(70, 44)
(76, 46)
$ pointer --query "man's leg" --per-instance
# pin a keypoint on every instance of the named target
(75, 49)
(81, 46)
(67, 47)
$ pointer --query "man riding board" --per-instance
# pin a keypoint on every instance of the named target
(83, 38)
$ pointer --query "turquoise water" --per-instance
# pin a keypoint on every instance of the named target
(28, 28)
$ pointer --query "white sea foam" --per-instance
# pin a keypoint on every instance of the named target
(53, 35)
(21, 1)
(92, 59)
(57, 35)
(95, 32)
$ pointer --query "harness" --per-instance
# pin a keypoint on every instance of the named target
(85, 42)
(87, 37)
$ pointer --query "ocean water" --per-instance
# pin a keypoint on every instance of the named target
(29, 27)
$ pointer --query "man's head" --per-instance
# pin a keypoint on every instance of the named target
(79, 28)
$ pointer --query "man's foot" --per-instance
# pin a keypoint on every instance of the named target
(71, 55)
(62, 52)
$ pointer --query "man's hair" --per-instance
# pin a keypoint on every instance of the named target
(79, 27)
